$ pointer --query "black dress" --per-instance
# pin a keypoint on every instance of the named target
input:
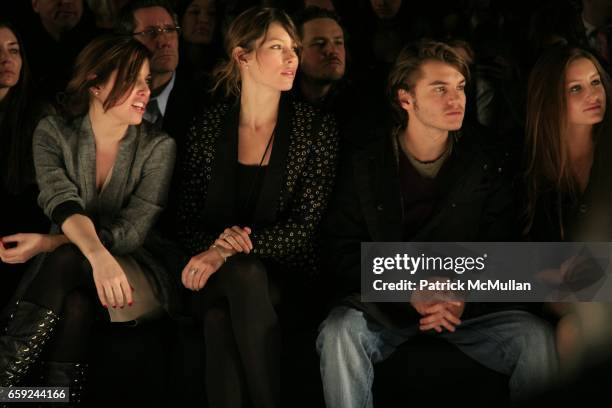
(283, 204)
(249, 183)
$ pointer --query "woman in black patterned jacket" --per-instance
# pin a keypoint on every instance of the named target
(256, 181)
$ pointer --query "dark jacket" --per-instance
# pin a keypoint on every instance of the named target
(185, 101)
(476, 205)
(52, 62)
(587, 217)
(295, 190)
(562, 217)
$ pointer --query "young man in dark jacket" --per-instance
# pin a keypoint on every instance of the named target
(430, 181)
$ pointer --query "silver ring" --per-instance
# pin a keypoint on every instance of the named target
(193, 271)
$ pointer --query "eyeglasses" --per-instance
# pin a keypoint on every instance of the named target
(153, 33)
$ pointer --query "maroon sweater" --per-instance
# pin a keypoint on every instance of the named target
(419, 196)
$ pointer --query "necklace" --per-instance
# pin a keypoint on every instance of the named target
(257, 172)
(427, 168)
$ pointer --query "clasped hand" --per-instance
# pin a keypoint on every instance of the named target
(235, 239)
(437, 314)
(200, 268)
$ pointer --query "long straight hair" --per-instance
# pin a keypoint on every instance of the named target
(17, 126)
(547, 160)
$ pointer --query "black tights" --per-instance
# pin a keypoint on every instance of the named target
(242, 335)
(64, 284)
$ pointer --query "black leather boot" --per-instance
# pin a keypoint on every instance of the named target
(28, 330)
(58, 374)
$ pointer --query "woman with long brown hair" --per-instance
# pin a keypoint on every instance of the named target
(568, 174)
(566, 127)
(103, 176)
(23, 224)
(257, 176)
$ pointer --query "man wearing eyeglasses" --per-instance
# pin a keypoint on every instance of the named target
(154, 24)
(174, 98)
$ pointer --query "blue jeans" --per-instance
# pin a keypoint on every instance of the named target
(515, 343)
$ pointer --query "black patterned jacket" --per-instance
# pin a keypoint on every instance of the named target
(295, 190)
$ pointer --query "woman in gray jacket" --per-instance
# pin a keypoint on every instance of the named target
(103, 176)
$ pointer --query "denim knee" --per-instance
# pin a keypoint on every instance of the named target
(345, 326)
(537, 336)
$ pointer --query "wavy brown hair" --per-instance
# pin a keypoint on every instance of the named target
(407, 68)
(95, 65)
(245, 31)
(546, 155)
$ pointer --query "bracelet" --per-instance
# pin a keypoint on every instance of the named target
(216, 248)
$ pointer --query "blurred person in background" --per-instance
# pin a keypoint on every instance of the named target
(57, 33)
(23, 223)
(201, 43)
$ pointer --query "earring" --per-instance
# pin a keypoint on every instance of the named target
(97, 93)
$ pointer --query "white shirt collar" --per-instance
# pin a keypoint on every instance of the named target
(162, 98)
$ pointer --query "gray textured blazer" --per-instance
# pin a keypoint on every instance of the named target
(126, 209)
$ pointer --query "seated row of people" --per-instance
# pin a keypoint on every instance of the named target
(256, 177)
